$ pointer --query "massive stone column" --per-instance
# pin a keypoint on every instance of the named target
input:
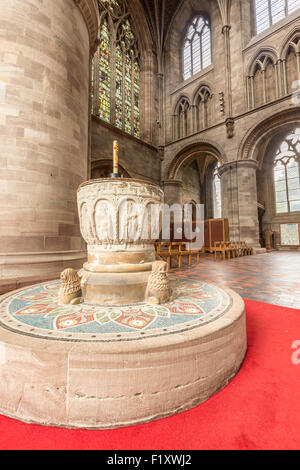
(44, 115)
(239, 201)
(173, 192)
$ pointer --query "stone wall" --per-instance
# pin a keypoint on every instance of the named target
(139, 159)
(44, 54)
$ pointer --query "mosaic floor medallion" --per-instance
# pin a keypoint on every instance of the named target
(35, 311)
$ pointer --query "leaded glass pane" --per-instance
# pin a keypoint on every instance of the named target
(206, 47)
(294, 194)
(294, 206)
(281, 207)
(281, 185)
(128, 93)
(279, 173)
(281, 196)
(92, 85)
(197, 66)
(269, 12)
(136, 111)
(292, 170)
(119, 88)
(262, 15)
(277, 10)
(293, 5)
(294, 183)
(104, 72)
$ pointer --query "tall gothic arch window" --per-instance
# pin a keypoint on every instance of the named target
(265, 81)
(182, 117)
(292, 65)
(116, 69)
(269, 12)
(287, 174)
(217, 201)
(203, 108)
(197, 46)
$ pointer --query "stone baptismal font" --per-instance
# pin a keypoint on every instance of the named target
(117, 343)
(115, 220)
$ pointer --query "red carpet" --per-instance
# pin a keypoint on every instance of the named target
(260, 408)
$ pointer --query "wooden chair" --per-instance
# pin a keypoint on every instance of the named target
(163, 250)
(244, 249)
(176, 252)
(238, 249)
(232, 249)
(192, 253)
(221, 247)
(169, 250)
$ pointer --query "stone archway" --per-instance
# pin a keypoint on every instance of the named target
(253, 145)
(190, 153)
(103, 168)
(190, 175)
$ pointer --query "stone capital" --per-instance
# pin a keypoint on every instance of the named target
(90, 13)
(177, 183)
(235, 165)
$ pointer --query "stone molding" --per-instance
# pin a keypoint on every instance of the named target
(40, 257)
(173, 183)
(90, 13)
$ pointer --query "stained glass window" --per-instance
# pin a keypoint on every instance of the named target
(269, 12)
(118, 80)
(197, 47)
(217, 202)
(287, 174)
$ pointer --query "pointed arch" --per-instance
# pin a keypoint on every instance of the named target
(290, 57)
(190, 152)
(182, 118)
(262, 75)
(261, 132)
(203, 108)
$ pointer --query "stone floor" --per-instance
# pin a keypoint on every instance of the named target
(273, 278)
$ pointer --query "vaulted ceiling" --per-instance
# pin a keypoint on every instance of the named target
(159, 15)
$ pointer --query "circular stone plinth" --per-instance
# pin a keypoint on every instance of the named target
(101, 367)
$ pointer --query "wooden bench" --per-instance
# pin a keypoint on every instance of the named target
(169, 250)
(231, 249)
(222, 248)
